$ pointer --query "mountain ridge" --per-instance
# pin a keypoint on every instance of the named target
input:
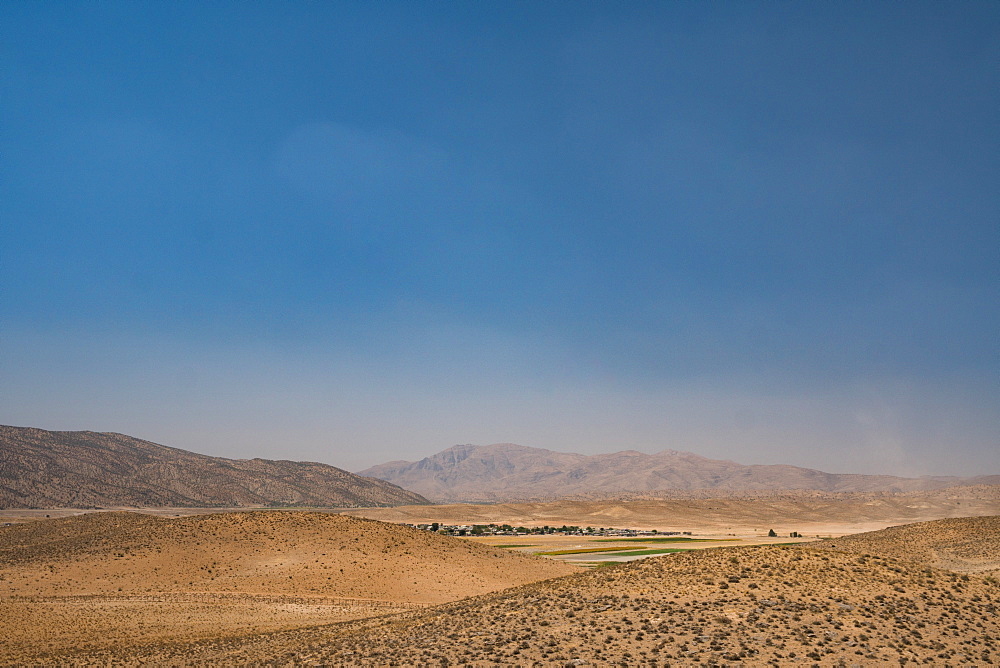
(88, 469)
(507, 472)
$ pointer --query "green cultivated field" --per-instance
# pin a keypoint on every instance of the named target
(638, 553)
(664, 539)
(612, 551)
(579, 550)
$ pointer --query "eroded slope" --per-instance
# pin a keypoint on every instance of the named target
(85, 469)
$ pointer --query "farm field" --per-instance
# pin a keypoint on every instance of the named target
(582, 550)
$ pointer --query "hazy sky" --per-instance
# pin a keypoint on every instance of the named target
(353, 232)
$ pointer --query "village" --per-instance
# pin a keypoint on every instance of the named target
(509, 530)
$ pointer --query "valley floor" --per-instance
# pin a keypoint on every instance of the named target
(731, 606)
(207, 587)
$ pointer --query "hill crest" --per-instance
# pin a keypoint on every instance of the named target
(961, 544)
(86, 469)
(116, 580)
(506, 472)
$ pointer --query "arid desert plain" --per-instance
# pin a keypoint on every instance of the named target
(875, 579)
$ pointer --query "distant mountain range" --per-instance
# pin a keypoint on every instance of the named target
(508, 472)
(85, 469)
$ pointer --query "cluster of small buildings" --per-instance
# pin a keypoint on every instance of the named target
(509, 530)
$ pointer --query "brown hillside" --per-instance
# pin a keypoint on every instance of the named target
(84, 469)
(734, 606)
(114, 578)
(508, 472)
(963, 544)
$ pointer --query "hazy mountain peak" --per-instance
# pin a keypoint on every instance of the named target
(507, 471)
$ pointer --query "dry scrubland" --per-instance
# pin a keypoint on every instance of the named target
(964, 545)
(846, 601)
(106, 579)
(760, 605)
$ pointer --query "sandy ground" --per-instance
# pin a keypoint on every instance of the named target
(176, 586)
(111, 579)
(963, 545)
(764, 605)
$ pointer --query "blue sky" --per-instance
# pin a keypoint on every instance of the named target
(356, 232)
